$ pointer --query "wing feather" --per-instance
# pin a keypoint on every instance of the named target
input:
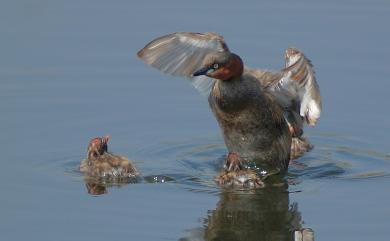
(181, 54)
(297, 88)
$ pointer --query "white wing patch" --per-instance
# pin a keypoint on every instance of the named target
(297, 89)
(203, 84)
(182, 54)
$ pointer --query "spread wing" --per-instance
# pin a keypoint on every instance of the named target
(297, 89)
(182, 54)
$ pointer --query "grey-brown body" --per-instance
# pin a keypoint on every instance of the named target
(261, 113)
(251, 122)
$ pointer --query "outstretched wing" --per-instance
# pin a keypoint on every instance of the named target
(297, 89)
(182, 54)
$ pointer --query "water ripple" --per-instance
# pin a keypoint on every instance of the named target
(340, 157)
(195, 163)
(334, 157)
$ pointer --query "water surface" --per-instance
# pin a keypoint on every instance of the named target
(68, 72)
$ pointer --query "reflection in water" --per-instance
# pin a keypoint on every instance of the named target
(99, 186)
(262, 214)
(95, 188)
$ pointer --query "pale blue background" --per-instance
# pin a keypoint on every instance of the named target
(69, 71)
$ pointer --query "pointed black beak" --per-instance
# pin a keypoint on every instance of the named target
(202, 71)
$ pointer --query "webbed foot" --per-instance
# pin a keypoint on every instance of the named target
(234, 162)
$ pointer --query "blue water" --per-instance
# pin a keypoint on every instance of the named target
(69, 72)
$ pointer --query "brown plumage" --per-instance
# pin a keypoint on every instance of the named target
(101, 163)
(235, 174)
(260, 113)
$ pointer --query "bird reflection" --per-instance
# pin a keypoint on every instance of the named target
(95, 188)
(99, 186)
(260, 214)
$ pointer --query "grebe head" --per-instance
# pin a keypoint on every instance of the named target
(97, 146)
(222, 66)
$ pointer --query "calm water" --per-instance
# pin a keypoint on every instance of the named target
(68, 72)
